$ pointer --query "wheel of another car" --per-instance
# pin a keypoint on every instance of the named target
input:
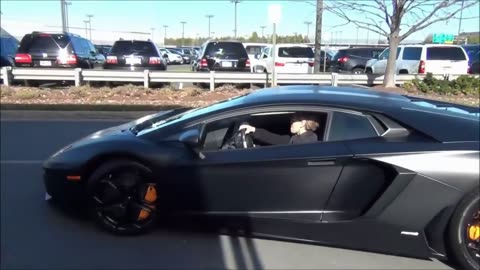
(464, 232)
(358, 71)
(122, 197)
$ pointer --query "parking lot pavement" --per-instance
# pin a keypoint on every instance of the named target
(37, 235)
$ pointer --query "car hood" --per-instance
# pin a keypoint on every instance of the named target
(371, 62)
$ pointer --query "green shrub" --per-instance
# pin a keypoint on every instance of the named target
(467, 85)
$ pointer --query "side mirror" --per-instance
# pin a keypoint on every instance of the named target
(264, 56)
(190, 137)
(257, 56)
(165, 56)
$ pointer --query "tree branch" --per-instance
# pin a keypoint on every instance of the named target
(425, 22)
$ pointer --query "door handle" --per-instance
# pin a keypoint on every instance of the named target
(321, 162)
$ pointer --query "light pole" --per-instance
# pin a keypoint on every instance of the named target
(183, 32)
(86, 28)
(62, 8)
(308, 29)
(90, 16)
(209, 16)
(263, 28)
(66, 15)
(165, 36)
(357, 36)
(153, 29)
(235, 2)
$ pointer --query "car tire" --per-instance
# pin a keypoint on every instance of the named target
(132, 177)
(358, 71)
(457, 231)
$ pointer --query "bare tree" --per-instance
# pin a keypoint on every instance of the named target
(397, 19)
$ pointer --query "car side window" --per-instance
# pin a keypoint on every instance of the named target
(347, 126)
(385, 54)
(412, 53)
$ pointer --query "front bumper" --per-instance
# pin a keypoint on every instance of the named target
(61, 189)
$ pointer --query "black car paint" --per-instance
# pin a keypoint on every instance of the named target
(85, 52)
(357, 59)
(238, 58)
(143, 56)
(360, 194)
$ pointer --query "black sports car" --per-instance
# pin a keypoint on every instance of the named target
(390, 173)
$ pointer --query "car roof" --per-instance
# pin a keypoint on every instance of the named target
(430, 45)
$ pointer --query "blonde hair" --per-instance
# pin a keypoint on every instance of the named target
(311, 122)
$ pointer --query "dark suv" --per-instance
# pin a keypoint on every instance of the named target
(134, 55)
(222, 56)
(55, 50)
(8, 48)
(353, 60)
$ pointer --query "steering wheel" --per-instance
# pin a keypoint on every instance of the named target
(239, 140)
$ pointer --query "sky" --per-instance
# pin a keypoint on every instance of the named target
(141, 16)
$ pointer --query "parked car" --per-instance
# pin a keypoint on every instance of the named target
(135, 55)
(353, 60)
(8, 48)
(472, 51)
(222, 56)
(254, 50)
(389, 173)
(186, 54)
(289, 58)
(103, 49)
(55, 50)
(475, 66)
(422, 59)
(171, 57)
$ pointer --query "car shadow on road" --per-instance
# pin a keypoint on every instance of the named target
(235, 248)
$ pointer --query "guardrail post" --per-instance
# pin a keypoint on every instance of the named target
(266, 79)
(6, 74)
(146, 78)
(78, 76)
(334, 79)
(212, 80)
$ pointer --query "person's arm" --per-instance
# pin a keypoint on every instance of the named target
(268, 137)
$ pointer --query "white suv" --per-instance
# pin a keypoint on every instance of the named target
(422, 59)
(289, 58)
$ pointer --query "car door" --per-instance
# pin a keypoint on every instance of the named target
(380, 65)
(284, 181)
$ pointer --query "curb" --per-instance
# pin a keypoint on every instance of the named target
(85, 107)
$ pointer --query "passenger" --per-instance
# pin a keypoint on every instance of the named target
(302, 127)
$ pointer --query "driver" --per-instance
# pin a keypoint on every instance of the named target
(302, 127)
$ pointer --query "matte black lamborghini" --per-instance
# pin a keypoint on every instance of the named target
(390, 173)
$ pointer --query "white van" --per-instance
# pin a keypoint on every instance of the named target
(422, 59)
(289, 58)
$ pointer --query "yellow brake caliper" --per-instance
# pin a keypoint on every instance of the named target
(474, 232)
(150, 197)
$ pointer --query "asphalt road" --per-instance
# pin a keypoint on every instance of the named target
(37, 235)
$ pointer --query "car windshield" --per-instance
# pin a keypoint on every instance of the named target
(194, 113)
(224, 50)
(295, 52)
(133, 47)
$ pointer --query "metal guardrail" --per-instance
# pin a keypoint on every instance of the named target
(79, 76)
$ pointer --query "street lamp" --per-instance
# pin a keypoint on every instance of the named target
(86, 28)
(90, 16)
(62, 8)
(263, 28)
(235, 2)
(308, 29)
(183, 32)
(153, 29)
(165, 36)
(209, 16)
(66, 14)
(274, 14)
